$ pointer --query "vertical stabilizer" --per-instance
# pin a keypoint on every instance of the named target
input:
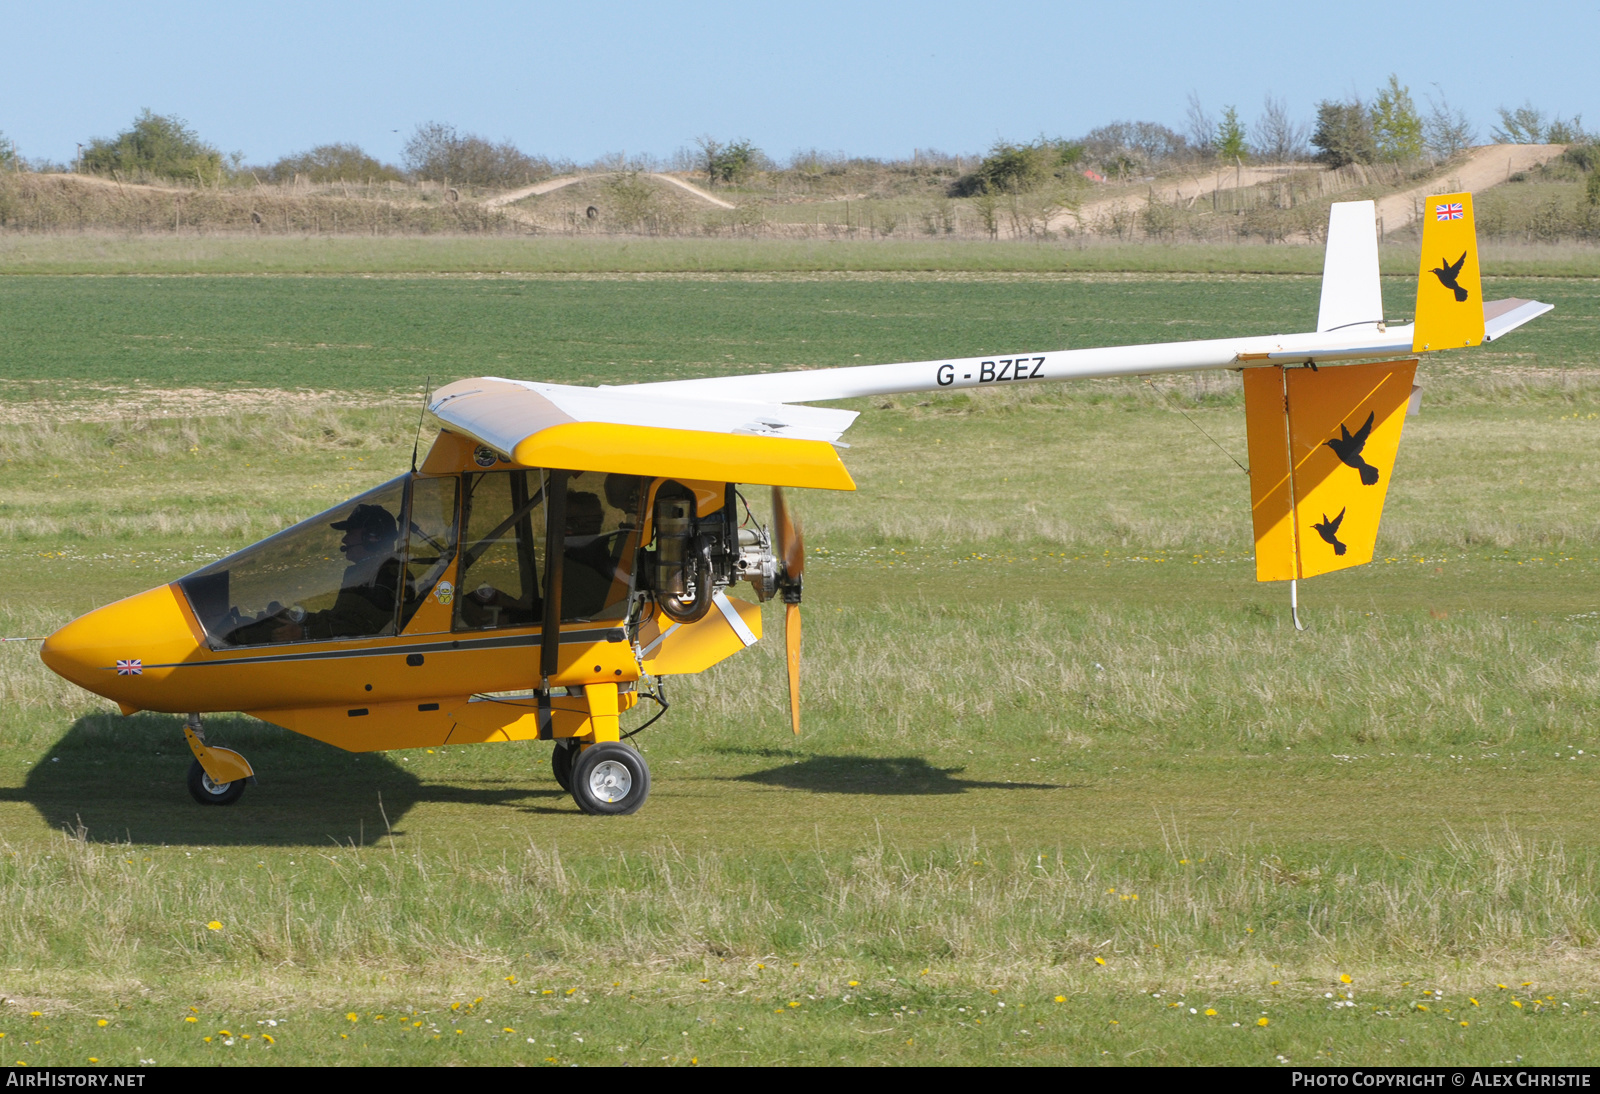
(1351, 292)
(1449, 289)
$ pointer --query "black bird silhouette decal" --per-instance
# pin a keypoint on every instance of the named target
(1448, 273)
(1329, 530)
(1348, 448)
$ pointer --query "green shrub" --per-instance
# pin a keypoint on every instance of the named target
(155, 146)
(333, 163)
(1396, 125)
(730, 163)
(1344, 133)
(1022, 168)
(1230, 141)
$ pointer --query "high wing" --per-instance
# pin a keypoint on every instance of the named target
(648, 433)
(1350, 325)
(1360, 340)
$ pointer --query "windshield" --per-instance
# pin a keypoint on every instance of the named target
(337, 575)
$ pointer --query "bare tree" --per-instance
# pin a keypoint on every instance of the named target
(1202, 126)
(1447, 131)
(1279, 138)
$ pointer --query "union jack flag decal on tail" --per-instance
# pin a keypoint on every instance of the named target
(1452, 211)
(134, 667)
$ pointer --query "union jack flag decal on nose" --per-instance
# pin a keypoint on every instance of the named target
(1452, 211)
(133, 667)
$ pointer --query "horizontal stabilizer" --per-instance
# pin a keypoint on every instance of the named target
(1501, 317)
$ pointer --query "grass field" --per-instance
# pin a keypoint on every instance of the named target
(106, 253)
(1071, 788)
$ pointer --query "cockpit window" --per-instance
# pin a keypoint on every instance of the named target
(337, 575)
(503, 566)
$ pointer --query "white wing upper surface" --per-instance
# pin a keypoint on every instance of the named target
(502, 413)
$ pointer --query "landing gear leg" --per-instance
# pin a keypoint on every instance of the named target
(217, 776)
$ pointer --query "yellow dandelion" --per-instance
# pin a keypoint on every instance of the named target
(214, 925)
(457, 1006)
(1464, 1025)
(1211, 1012)
(353, 1017)
(190, 1018)
(924, 972)
(1344, 978)
(549, 1059)
(705, 981)
(1471, 1000)
(102, 1023)
(1422, 1006)
(1274, 983)
(853, 983)
(793, 1003)
(1061, 998)
(570, 991)
(94, 1059)
(1516, 1004)
(268, 1038)
(694, 1059)
(1502, 987)
(1099, 961)
(508, 1029)
(207, 1040)
(35, 1014)
(1262, 1022)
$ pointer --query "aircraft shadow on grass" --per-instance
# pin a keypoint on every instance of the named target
(875, 775)
(117, 780)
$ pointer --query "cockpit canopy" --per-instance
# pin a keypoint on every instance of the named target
(363, 568)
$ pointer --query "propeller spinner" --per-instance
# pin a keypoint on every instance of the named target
(791, 550)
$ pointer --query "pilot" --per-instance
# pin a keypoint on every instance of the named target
(366, 602)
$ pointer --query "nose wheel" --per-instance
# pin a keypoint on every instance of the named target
(217, 776)
(207, 791)
(610, 779)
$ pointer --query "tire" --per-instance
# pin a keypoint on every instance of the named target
(561, 761)
(610, 780)
(206, 792)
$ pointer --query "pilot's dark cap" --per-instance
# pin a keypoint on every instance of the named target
(374, 522)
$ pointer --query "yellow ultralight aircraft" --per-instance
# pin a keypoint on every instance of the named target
(560, 545)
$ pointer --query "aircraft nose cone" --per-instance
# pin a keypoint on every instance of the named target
(127, 651)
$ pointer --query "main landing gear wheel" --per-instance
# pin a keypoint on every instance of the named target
(561, 761)
(610, 779)
(206, 792)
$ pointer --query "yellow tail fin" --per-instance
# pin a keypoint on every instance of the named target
(1322, 448)
(1449, 290)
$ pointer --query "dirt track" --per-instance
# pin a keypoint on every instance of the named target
(550, 185)
(1168, 190)
(1483, 168)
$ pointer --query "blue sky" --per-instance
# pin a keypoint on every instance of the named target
(579, 80)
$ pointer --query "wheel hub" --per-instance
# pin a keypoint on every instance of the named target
(214, 787)
(610, 781)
